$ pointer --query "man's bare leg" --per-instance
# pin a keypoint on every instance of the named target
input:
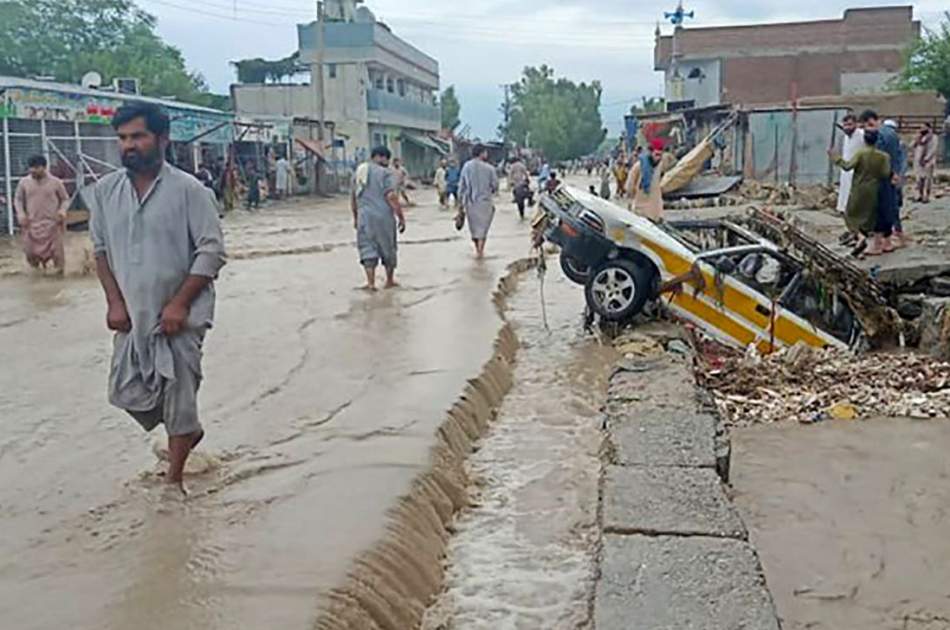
(391, 278)
(179, 448)
(479, 248)
(370, 277)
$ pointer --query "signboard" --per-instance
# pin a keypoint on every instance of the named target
(33, 104)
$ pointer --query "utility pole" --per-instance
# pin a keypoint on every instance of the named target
(506, 111)
(321, 53)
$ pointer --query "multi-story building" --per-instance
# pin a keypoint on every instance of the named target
(375, 89)
(775, 63)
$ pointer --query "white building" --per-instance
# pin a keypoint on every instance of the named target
(377, 89)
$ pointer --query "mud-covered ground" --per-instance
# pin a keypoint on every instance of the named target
(320, 401)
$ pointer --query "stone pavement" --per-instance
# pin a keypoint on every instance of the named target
(675, 553)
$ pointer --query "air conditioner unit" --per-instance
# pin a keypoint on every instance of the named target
(126, 85)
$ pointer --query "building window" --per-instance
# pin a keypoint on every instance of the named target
(390, 85)
(331, 70)
(401, 87)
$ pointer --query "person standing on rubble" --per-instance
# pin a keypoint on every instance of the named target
(852, 143)
(643, 187)
(925, 162)
(870, 168)
(888, 207)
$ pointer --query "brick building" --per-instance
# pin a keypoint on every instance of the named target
(773, 63)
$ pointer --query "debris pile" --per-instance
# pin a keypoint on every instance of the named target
(811, 385)
(812, 197)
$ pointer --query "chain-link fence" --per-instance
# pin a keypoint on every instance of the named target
(78, 153)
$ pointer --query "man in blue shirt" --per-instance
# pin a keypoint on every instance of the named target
(889, 221)
(452, 178)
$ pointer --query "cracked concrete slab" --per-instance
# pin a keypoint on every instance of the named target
(681, 583)
(664, 438)
(675, 501)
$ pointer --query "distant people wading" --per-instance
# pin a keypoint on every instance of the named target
(477, 194)
(377, 215)
(440, 181)
(41, 203)
(519, 180)
(158, 246)
(402, 181)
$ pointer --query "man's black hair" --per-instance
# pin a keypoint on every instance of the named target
(36, 160)
(868, 114)
(849, 117)
(478, 150)
(870, 137)
(382, 152)
(156, 119)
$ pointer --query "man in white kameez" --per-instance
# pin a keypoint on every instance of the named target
(282, 178)
(477, 196)
(852, 143)
(158, 246)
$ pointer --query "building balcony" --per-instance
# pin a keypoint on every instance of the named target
(394, 109)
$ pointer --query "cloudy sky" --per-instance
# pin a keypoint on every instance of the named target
(482, 45)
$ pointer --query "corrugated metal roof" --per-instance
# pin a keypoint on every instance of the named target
(54, 86)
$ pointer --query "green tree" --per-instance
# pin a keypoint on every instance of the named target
(560, 117)
(648, 105)
(259, 70)
(927, 64)
(65, 39)
(451, 109)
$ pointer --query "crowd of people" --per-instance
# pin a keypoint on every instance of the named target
(873, 161)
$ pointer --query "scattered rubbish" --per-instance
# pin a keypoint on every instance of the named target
(635, 345)
(810, 197)
(677, 347)
(809, 385)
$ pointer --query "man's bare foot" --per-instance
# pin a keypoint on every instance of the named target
(392, 284)
(369, 288)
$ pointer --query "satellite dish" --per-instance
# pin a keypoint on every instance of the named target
(92, 80)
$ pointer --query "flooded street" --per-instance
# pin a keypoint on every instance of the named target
(321, 403)
(850, 520)
(524, 555)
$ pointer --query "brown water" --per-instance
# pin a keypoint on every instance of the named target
(524, 555)
(321, 403)
(851, 520)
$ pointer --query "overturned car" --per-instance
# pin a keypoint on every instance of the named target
(740, 287)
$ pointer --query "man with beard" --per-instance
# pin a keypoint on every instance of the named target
(41, 202)
(158, 246)
(644, 187)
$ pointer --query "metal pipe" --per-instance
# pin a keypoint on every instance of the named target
(7, 174)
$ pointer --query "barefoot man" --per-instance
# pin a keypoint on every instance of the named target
(158, 247)
(377, 215)
(477, 194)
(41, 203)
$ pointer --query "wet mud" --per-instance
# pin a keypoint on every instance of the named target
(850, 521)
(335, 428)
(524, 553)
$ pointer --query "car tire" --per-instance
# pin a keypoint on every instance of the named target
(574, 270)
(619, 289)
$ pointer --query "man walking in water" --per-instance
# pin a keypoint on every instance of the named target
(158, 246)
(377, 215)
(41, 203)
(476, 193)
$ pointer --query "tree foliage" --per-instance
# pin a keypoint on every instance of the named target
(259, 70)
(927, 64)
(648, 105)
(451, 109)
(560, 117)
(65, 39)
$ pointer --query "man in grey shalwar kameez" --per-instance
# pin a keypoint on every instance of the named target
(158, 247)
(377, 215)
(477, 196)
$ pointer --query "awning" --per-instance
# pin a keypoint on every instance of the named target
(313, 146)
(425, 142)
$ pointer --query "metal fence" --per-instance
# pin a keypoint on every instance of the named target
(78, 153)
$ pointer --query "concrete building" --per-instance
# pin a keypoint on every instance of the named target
(377, 89)
(775, 63)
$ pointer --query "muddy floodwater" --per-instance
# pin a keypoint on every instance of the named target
(320, 402)
(851, 521)
(524, 555)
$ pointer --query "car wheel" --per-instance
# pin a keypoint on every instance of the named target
(619, 289)
(574, 270)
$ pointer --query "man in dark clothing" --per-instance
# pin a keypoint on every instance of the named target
(888, 141)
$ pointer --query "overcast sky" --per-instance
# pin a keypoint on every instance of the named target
(481, 45)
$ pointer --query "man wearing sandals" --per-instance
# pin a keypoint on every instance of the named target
(889, 223)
